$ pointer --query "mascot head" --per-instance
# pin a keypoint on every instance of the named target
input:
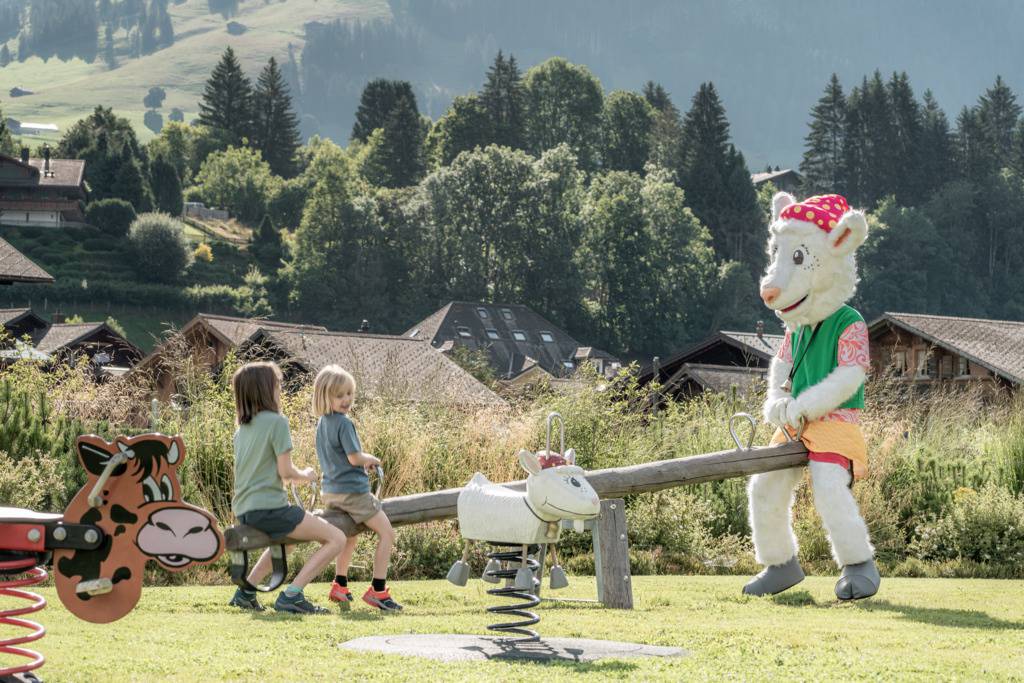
(812, 271)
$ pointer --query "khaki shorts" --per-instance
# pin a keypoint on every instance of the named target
(359, 506)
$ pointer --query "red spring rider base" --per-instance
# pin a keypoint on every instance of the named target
(14, 564)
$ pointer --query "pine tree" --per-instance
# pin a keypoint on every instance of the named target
(379, 99)
(165, 29)
(972, 152)
(504, 101)
(398, 152)
(880, 168)
(5, 56)
(667, 131)
(998, 114)
(148, 31)
(275, 126)
(266, 246)
(705, 163)
(130, 184)
(657, 96)
(855, 141)
(227, 99)
(822, 162)
(908, 123)
(936, 157)
(166, 186)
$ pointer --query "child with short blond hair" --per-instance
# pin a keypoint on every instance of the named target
(346, 486)
(263, 462)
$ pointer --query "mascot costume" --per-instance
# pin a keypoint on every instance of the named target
(816, 382)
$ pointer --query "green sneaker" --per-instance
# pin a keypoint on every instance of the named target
(297, 604)
(244, 600)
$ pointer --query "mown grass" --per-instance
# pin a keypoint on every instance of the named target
(66, 91)
(915, 629)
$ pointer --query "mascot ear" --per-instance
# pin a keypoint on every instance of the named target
(849, 233)
(779, 202)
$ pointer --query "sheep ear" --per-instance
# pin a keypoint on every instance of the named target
(849, 233)
(570, 456)
(779, 202)
(529, 462)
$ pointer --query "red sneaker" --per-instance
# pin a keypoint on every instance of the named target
(341, 595)
(381, 600)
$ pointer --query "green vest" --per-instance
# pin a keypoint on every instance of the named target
(817, 360)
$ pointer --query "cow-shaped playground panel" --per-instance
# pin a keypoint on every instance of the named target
(140, 510)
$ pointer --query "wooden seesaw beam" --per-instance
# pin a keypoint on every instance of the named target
(613, 482)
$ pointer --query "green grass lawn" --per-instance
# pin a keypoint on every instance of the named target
(924, 629)
(68, 91)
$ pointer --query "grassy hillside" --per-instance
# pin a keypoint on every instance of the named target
(68, 91)
(915, 629)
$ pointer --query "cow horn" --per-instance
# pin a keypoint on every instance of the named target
(172, 453)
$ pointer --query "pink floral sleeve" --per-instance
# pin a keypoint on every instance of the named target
(785, 353)
(853, 346)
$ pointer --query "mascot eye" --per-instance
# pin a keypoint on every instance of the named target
(798, 257)
(151, 491)
(166, 489)
(574, 482)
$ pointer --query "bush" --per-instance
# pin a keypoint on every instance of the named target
(112, 216)
(203, 252)
(160, 252)
(984, 526)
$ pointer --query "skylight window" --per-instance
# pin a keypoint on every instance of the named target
(506, 314)
(493, 334)
(464, 332)
(482, 312)
(519, 335)
(547, 337)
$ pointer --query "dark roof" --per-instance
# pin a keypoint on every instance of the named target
(719, 378)
(237, 330)
(382, 364)
(480, 322)
(13, 315)
(758, 178)
(588, 352)
(16, 267)
(997, 345)
(66, 172)
(63, 336)
(742, 349)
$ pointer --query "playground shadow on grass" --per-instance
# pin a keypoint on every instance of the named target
(935, 616)
(271, 615)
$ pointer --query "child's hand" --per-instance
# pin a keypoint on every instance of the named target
(370, 462)
(308, 474)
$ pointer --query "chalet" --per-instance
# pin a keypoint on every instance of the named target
(16, 267)
(786, 180)
(41, 192)
(516, 339)
(32, 337)
(397, 367)
(932, 350)
(209, 339)
(723, 362)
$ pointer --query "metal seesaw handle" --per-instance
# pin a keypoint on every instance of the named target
(552, 416)
(732, 430)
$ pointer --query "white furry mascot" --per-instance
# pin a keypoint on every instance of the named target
(817, 379)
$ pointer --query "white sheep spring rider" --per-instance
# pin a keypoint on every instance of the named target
(523, 523)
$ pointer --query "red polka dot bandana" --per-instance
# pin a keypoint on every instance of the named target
(551, 460)
(824, 210)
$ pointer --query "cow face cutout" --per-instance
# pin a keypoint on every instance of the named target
(143, 518)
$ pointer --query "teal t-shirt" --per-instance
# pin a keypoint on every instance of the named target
(335, 438)
(258, 486)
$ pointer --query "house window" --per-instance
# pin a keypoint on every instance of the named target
(482, 312)
(899, 362)
(962, 368)
(519, 335)
(947, 366)
(568, 364)
(547, 337)
(493, 334)
(506, 314)
(464, 332)
(931, 365)
(921, 364)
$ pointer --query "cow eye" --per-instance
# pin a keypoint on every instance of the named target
(150, 491)
(798, 257)
(166, 488)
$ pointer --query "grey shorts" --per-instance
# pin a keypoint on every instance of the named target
(277, 522)
(359, 506)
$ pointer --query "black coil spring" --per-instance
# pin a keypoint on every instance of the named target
(510, 560)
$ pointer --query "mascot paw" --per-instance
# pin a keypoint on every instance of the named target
(858, 581)
(775, 412)
(794, 411)
(775, 579)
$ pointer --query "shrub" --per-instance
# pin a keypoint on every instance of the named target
(984, 526)
(203, 252)
(112, 216)
(159, 250)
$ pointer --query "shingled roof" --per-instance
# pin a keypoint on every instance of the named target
(997, 345)
(382, 364)
(16, 267)
(237, 330)
(62, 336)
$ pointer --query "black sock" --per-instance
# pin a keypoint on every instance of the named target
(379, 584)
(341, 580)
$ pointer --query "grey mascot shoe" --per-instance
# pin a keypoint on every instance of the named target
(776, 578)
(858, 581)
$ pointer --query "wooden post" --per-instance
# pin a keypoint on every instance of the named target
(611, 556)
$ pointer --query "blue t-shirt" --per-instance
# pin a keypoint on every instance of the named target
(335, 438)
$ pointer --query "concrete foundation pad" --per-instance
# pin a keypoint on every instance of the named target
(456, 648)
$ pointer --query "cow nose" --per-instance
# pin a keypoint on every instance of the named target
(770, 294)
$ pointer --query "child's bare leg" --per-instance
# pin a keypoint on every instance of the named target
(381, 525)
(344, 558)
(331, 538)
(260, 570)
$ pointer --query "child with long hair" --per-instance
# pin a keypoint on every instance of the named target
(263, 462)
(346, 485)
